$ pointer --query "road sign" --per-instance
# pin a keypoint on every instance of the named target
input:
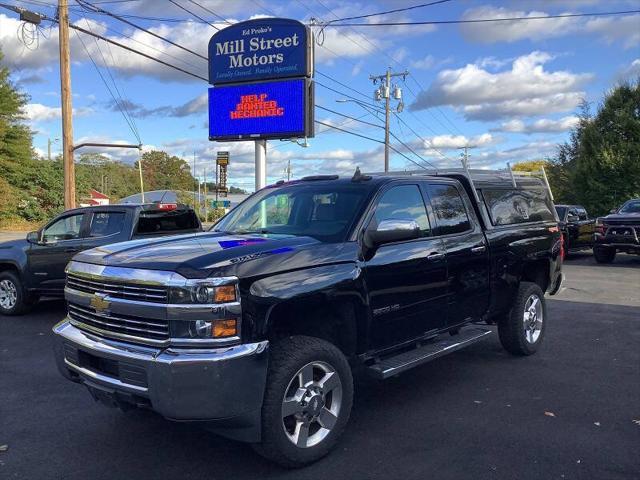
(220, 203)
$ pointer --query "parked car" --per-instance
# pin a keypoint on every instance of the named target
(618, 232)
(576, 226)
(255, 325)
(35, 266)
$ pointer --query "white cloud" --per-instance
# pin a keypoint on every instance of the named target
(448, 142)
(429, 62)
(511, 31)
(625, 29)
(37, 112)
(543, 125)
(524, 90)
(630, 72)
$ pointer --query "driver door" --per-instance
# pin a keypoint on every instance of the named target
(59, 242)
(407, 281)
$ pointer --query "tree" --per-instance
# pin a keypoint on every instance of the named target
(600, 165)
(15, 136)
(163, 171)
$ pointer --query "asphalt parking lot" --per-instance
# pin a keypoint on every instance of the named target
(570, 412)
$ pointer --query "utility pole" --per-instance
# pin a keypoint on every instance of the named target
(465, 155)
(65, 92)
(195, 178)
(140, 172)
(288, 170)
(49, 149)
(261, 163)
(385, 92)
(206, 218)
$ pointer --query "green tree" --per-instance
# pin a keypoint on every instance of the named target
(163, 171)
(15, 136)
(599, 167)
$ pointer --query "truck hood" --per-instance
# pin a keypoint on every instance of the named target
(208, 254)
(619, 218)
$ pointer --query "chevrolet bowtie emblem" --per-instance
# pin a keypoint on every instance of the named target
(100, 303)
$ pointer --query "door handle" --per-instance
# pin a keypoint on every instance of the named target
(479, 249)
(435, 256)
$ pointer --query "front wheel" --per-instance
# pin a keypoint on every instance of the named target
(307, 401)
(522, 330)
(604, 254)
(13, 299)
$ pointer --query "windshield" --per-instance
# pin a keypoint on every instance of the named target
(631, 207)
(322, 211)
(561, 211)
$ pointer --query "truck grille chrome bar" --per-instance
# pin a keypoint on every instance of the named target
(128, 291)
(120, 324)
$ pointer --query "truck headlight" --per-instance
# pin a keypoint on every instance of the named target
(205, 329)
(202, 292)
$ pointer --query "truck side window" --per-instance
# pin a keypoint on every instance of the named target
(508, 206)
(449, 209)
(582, 214)
(66, 228)
(403, 202)
(106, 223)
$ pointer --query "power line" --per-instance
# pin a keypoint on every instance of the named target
(118, 17)
(107, 86)
(480, 20)
(387, 12)
(211, 12)
(195, 15)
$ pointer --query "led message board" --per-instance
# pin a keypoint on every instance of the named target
(260, 49)
(279, 109)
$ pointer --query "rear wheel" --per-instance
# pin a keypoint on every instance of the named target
(13, 299)
(522, 330)
(604, 254)
(307, 401)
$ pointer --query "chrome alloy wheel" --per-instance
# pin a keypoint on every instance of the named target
(311, 404)
(8, 294)
(533, 318)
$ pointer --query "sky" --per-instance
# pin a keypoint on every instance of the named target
(511, 90)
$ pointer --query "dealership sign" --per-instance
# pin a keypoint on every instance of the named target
(261, 75)
(277, 109)
(259, 50)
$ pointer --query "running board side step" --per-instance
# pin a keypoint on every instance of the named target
(393, 365)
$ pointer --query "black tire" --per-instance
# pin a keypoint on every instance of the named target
(604, 254)
(287, 358)
(515, 338)
(10, 281)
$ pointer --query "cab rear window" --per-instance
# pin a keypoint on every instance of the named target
(154, 222)
(510, 206)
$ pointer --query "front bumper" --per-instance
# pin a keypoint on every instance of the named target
(222, 384)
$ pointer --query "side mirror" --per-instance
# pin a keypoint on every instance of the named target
(33, 237)
(573, 218)
(391, 230)
(613, 210)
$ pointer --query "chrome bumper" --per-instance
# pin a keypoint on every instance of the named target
(180, 384)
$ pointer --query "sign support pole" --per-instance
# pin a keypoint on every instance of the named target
(261, 163)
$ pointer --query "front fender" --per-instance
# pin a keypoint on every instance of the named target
(327, 286)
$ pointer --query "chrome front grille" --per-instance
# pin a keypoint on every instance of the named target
(119, 324)
(127, 291)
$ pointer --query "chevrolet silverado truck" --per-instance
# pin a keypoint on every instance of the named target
(34, 267)
(618, 232)
(254, 327)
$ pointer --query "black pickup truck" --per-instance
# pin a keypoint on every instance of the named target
(254, 327)
(576, 227)
(618, 232)
(35, 266)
